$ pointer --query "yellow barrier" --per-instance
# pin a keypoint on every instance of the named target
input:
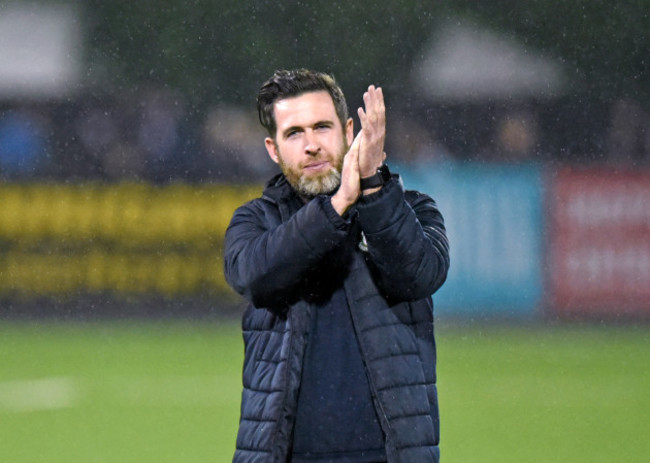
(169, 273)
(126, 238)
(131, 214)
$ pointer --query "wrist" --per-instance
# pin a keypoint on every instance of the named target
(375, 181)
(341, 204)
(370, 191)
(369, 172)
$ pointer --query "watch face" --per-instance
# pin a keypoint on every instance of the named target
(384, 172)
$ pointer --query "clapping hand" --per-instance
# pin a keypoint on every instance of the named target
(373, 132)
(366, 154)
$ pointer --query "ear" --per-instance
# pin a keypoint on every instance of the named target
(349, 131)
(271, 148)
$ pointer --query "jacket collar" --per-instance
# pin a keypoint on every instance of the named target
(278, 190)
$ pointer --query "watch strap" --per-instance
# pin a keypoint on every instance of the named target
(371, 182)
(380, 178)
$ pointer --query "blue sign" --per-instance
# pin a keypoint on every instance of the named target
(494, 220)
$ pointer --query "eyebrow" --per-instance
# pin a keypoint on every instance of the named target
(288, 130)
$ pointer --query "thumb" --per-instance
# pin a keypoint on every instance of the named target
(353, 152)
(351, 158)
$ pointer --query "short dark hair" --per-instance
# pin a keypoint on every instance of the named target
(285, 84)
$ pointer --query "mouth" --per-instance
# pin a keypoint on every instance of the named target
(316, 167)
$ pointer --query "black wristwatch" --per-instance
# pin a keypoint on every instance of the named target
(381, 178)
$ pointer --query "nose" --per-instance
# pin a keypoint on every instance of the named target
(311, 143)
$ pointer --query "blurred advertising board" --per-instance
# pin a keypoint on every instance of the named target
(493, 214)
(599, 243)
(131, 240)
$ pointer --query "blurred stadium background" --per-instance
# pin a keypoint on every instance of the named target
(128, 136)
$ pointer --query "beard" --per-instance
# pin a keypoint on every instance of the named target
(310, 186)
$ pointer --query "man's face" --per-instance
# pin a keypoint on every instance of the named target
(309, 143)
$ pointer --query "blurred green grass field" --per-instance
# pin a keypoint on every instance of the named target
(169, 392)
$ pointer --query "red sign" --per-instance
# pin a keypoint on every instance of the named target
(599, 248)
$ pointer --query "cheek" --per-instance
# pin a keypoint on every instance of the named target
(287, 154)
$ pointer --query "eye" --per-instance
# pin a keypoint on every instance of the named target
(322, 126)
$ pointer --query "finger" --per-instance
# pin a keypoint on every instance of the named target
(374, 95)
(369, 100)
(362, 117)
(353, 150)
(379, 94)
(355, 146)
(375, 109)
(350, 169)
(378, 102)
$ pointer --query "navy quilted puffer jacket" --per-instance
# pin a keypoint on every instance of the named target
(272, 243)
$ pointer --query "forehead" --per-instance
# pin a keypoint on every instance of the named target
(304, 110)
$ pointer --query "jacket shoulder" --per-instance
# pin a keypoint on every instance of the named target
(419, 199)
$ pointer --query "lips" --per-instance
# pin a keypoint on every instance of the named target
(318, 166)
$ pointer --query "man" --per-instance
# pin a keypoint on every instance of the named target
(338, 263)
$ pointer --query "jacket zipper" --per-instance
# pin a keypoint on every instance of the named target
(392, 456)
